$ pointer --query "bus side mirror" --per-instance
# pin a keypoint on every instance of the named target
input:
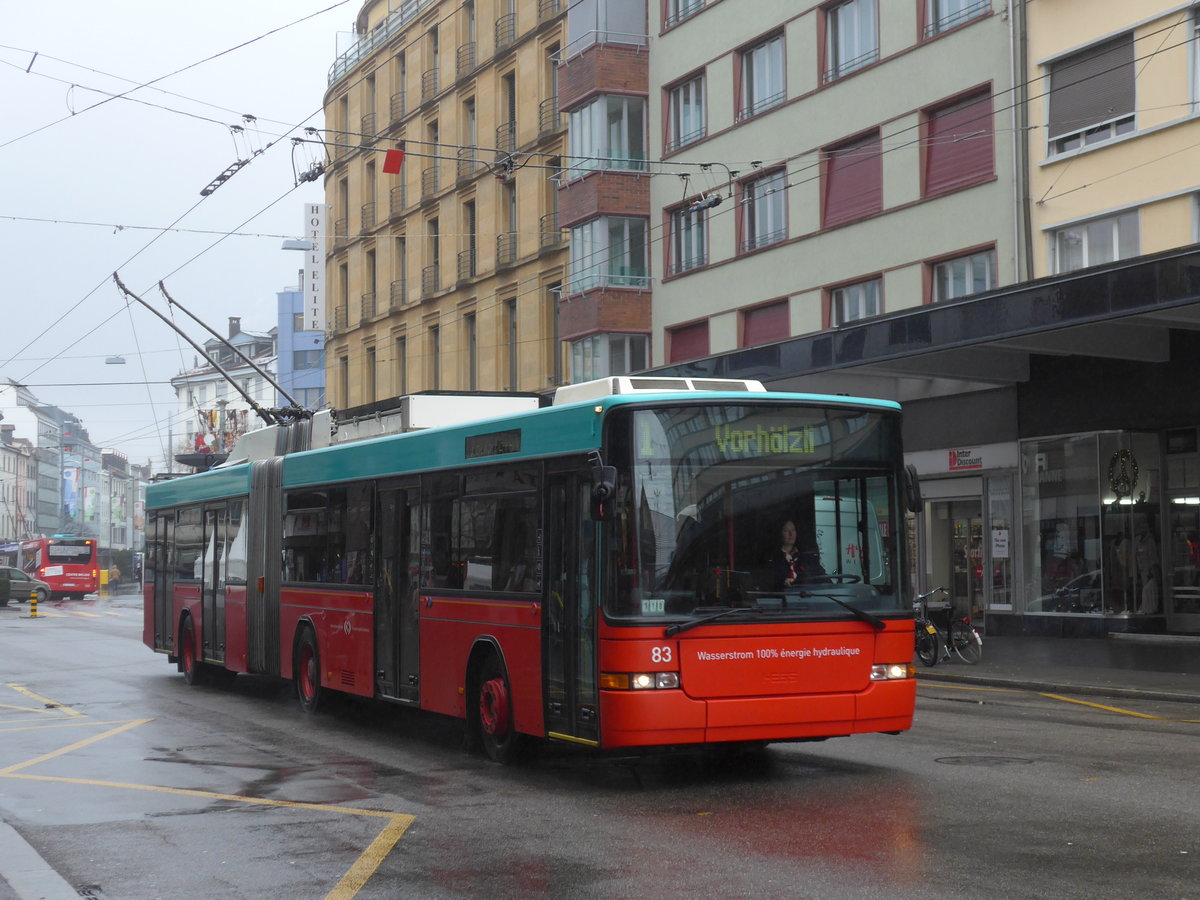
(912, 489)
(604, 491)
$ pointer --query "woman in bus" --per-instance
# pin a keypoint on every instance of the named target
(789, 566)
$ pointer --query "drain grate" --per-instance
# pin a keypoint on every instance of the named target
(983, 760)
(92, 892)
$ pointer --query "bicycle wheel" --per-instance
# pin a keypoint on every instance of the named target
(928, 649)
(966, 642)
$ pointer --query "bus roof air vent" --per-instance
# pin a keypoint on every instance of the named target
(634, 384)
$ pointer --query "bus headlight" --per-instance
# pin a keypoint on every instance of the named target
(892, 671)
(638, 681)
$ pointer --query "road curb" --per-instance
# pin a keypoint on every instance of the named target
(1061, 687)
(27, 873)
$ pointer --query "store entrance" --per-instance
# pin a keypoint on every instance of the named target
(1183, 602)
(956, 553)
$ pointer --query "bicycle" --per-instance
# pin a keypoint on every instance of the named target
(935, 642)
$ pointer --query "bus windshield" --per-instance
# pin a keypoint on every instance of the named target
(69, 552)
(781, 508)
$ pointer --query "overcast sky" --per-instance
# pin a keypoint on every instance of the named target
(135, 166)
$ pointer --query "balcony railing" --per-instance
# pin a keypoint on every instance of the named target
(340, 318)
(429, 84)
(368, 216)
(468, 165)
(506, 137)
(548, 9)
(957, 17)
(367, 127)
(840, 68)
(341, 231)
(466, 265)
(367, 43)
(368, 307)
(397, 293)
(429, 182)
(398, 106)
(550, 235)
(549, 118)
(398, 200)
(506, 249)
(429, 281)
(506, 31)
(464, 60)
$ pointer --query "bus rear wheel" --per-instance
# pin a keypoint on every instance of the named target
(493, 715)
(307, 672)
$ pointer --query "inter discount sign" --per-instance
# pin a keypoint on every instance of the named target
(314, 267)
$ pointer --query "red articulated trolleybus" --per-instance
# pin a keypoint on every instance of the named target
(599, 571)
(65, 562)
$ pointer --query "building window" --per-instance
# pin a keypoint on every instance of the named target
(298, 321)
(1095, 243)
(306, 359)
(510, 308)
(689, 240)
(471, 339)
(964, 275)
(762, 77)
(855, 301)
(1092, 95)
(765, 324)
(685, 113)
(851, 37)
(609, 133)
(602, 355)
(678, 10)
(764, 215)
(435, 357)
(400, 366)
(609, 251)
(687, 342)
(942, 15)
(853, 181)
(959, 144)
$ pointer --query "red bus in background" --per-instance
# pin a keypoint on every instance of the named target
(65, 562)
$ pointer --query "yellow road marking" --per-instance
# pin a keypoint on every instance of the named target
(347, 888)
(86, 615)
(51, 705)
(1112, 709)
(57, 723)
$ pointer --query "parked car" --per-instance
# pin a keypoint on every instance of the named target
(21, 585)
(1082, 594)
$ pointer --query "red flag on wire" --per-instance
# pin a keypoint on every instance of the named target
(392, 160)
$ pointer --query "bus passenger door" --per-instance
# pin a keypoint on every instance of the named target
(213, 616)
(571, 697)
(396, 595)
(159, 541)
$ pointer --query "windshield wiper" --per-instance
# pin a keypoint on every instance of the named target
(692, 623)
(871, 618)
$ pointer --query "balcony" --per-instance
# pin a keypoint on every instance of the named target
(466, 265)
(340, 318)
(506, 249)
(429, 85)
(367, 43)
(464, 60)
(548, 9)
(429, 182)
(368, 216)
(398, 200)
(549, 118)
(367, 128)
(397, 293)
(468, 165)
(506, 137)
(506, 31)
(430, 283)
(549, 234)
(341, 231)
(367, 310)
(398, 106)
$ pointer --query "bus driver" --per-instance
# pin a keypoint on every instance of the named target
(789, 566)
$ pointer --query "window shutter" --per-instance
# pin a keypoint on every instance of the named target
(765, 324)
(853, 181)
(1092, 86)
(960, 145)
(688, 342)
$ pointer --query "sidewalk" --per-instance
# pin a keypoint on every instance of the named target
(1151, 667)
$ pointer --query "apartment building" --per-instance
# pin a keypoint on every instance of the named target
(445, 266)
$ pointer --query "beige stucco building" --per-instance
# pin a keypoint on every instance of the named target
(1114, 131)
(445, 275)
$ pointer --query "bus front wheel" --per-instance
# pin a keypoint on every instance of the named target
(308, 671)
(493, 715)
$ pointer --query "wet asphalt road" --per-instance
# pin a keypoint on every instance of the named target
(130, 784)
